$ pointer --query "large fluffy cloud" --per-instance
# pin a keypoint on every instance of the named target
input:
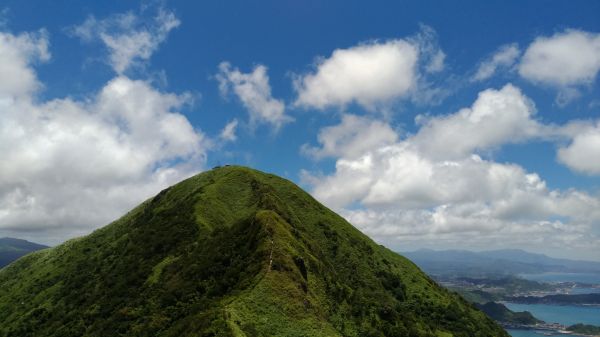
(129, 39)
(254, 91)
(564, 59)
(567, 61)
(367, 74)
(351, 138)
(497, 117)
(16, 52)
(69, 165)
(375, 74)
(433, 186)
(583, 153)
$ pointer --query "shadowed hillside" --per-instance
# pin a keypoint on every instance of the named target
(12, 249)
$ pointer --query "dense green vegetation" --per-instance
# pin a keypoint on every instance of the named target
(229, 252)
(501, 313)
(12, 249)
(476, 296)
(585, 329)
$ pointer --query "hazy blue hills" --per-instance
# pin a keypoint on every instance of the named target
(229, 252)
(495, 262)
(12, 249)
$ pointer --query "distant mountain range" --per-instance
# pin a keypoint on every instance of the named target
(12, 249)
(494, 262)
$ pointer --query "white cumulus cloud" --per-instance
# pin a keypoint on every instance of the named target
(375, 74)
(368, 74)
(504, 57)
(583, 153)
(229, 131)
(352, 137)
(254, 91)
(68, 165)
(130, 40)
(564, 59)
(433, 186)
(16, 52)
(497, 117)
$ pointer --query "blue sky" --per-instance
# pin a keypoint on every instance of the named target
(426, 124)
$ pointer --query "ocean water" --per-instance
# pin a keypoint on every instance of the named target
(527, 333)
(592, 278)
(564, 314)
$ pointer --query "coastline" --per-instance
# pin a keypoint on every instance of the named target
(545, 327)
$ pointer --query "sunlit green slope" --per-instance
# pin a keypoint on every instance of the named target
(229, 252)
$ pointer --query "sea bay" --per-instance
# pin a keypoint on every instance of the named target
(524, 333)
(563, 314)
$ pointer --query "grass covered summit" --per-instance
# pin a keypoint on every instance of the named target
(229, 252)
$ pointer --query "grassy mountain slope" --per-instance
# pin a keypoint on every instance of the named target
(12, 249)
(229, 252)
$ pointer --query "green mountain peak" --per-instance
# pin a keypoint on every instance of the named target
(229, 252)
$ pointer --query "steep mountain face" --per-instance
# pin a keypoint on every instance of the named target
(12, 249)
(229, 252)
